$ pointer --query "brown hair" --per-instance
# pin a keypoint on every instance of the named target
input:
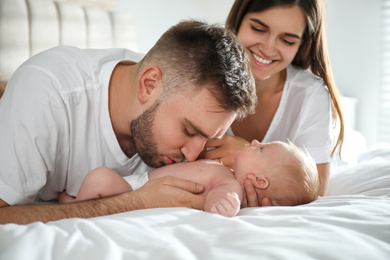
(2, 88)
(313, 52)
(193, 53)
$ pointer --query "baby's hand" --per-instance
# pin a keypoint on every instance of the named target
(228, 206)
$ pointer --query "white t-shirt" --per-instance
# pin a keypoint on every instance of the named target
(55, 124)
(304, 115)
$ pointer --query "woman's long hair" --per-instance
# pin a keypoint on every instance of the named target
(313, 52)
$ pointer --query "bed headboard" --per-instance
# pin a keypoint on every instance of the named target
(31, 26)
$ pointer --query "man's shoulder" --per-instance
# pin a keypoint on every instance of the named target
(71, 53)
(60, 57)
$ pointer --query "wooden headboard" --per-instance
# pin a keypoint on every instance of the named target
(31, 26)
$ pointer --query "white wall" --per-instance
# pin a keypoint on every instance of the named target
(353, 28)
(354, 39)
(154, 17)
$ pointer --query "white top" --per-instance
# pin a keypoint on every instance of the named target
(304, 115)
(55, 124)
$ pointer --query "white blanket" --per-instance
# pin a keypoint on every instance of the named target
(352, 223)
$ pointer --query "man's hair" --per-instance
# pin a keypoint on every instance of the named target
(192, 54)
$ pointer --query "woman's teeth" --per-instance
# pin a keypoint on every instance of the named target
(261, 60)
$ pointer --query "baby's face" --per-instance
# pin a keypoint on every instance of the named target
(256, 157)
(259, 159)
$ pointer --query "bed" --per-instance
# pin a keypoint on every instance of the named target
(352, 222)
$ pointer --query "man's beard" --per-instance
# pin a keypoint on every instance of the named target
(141, 130)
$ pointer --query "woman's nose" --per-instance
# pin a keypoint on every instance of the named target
(268, 46)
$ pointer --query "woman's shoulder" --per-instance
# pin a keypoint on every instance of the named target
(302, 77)
(305, 80)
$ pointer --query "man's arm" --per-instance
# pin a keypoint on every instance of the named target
(164, 192)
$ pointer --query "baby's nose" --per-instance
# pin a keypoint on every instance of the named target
(255, 142)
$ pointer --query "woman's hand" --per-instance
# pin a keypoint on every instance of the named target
(251, 199)
(224, 149)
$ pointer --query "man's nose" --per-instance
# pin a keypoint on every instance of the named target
(193, 147)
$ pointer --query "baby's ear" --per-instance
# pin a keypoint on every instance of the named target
(260, 181)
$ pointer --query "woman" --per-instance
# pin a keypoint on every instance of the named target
(297, 97)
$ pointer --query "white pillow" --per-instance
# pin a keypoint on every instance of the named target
(370, 177)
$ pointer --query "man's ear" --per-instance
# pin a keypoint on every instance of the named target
(149, 83)
(260, 181)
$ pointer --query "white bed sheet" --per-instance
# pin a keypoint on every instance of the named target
(352, 223)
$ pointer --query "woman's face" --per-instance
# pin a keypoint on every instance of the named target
(272, 39)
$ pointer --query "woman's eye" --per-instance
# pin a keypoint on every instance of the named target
(256, 29)
(289, 43)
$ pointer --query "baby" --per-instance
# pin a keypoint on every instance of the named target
(279, 171)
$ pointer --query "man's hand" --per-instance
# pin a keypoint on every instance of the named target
(169, 191)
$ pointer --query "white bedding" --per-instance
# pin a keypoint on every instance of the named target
(352, 223)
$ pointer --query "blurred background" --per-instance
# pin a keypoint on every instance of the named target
(358, 33)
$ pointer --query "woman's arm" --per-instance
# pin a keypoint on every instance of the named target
(323, 174)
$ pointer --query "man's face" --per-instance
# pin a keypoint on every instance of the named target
(177, 129)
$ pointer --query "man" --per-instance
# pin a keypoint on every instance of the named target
(67, 111)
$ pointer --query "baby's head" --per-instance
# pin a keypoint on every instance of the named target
(279, 171)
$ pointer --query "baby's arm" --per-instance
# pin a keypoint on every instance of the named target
(100, 182)
(225, 195)
(222, 191)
